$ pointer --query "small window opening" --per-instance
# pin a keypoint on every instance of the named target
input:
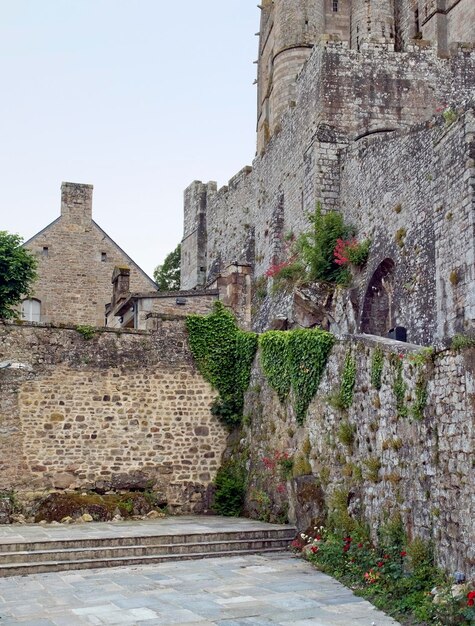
(416, 20)
(103, 257)
(335, 6)
(45, 250)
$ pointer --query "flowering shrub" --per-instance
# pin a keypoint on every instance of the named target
(281, 460)
(350, 252)
(396, 577)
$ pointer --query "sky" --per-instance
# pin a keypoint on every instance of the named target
(137, 97)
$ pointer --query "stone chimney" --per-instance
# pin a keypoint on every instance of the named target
(120, 284)
(76, 202)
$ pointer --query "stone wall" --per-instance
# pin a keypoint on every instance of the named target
(364, 95)
(81, 411)
(417, 218)
(393, 463)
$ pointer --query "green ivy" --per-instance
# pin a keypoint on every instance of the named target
(399, 388)
(275, 362)
(377, 362)
(295, 360)
(224, 356)
(308, 352)
(421, 397)
(348, 381)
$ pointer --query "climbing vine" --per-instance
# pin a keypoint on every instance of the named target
(399, 387)
(348, 380)
(275, 361)
(421, 397)
(224, 356)
(295, 360)
(377, 362)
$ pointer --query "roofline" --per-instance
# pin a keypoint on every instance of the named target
(125, 254)
(131, 297)
(145, 275)
(41, 231)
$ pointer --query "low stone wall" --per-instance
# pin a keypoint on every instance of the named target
(374, 459)
(79, 413)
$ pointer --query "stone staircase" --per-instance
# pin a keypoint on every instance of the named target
(36, 556)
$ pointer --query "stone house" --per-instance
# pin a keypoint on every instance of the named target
(76, 259)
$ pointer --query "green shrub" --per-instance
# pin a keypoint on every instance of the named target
(462, 342)
(316, 247)
(87, 332)
(358, 253)
(230, 489)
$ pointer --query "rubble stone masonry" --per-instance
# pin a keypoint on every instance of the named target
(80, 411)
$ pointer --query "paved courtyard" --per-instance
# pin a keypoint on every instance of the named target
(237, 591)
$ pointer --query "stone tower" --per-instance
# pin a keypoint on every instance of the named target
(372, 21)
(288, 31)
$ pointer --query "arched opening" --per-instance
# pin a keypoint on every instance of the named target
(31, 310)
(378, 311)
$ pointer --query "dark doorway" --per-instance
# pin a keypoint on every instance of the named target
(378, 307)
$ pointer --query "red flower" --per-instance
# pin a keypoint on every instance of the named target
(403, 553)
(401, 355)
(314, 549)
(471, 598)
(380, 563)
(360, 545)
(386, 556)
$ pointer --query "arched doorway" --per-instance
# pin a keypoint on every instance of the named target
(378, 307)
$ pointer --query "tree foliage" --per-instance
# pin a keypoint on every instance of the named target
(17, 273)
(167, 275)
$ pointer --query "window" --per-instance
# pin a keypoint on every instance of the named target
(335, 6)
(103, 257)
(45, 250)
(31, 310)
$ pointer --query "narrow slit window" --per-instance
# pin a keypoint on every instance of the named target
(103, 257)
(335, 6)
(45, 250)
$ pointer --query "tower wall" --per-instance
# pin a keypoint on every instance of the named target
(193, 246)
(372, 20)
(289, 30)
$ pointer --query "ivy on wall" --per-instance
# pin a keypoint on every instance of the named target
(224, 356)
(348, 380)
(275, 361)
(295, 360)
(399, 387)
(377, 362)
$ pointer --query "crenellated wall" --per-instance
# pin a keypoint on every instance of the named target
(381, 156)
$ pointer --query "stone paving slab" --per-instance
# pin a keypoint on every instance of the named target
(135, 528)
(252, 590)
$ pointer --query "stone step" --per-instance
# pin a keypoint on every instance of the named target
(287, 533)
(59, 555)
(22, 569)
(140, 550)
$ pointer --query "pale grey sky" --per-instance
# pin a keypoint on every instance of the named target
(137, 97)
